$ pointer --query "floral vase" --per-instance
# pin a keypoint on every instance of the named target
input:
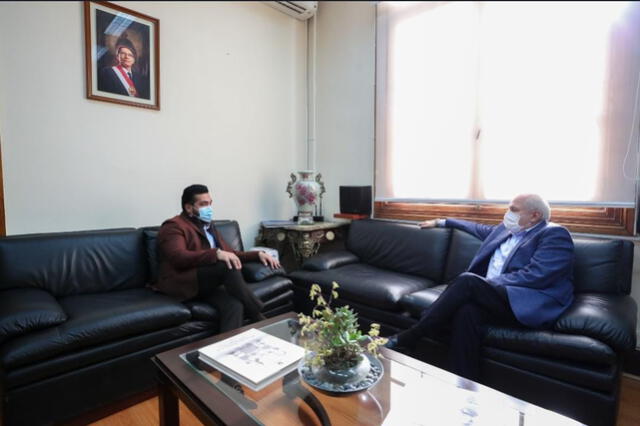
(305, 192)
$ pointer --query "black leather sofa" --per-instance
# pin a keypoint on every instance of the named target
(391, 271)
(78, 323)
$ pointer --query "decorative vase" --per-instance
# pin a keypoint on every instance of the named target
(305, 192)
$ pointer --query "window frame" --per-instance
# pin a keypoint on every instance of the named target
(618, 221)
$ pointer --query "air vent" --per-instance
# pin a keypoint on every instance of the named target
(301, 10)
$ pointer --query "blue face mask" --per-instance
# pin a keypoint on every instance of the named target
(205, 214)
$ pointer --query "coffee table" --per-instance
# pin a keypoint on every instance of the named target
(409, 393)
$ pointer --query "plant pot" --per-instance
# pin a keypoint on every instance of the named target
(344, 376)
(360, 377)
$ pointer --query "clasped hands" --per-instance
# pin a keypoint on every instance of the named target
(233, 261)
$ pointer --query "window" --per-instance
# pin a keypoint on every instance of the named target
(479, 101)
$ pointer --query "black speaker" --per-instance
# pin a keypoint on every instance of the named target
(355, 199)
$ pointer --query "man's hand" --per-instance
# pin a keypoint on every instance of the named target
(229, 258)
(268, 260)
(428, 224)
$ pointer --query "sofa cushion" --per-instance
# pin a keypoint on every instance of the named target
(256, 271)
(27, 309)
(70, 263)
(602, 266)
(608, 318)
(201, 311)
(95, 319)
(415, 303)
(550, 344)
(330, 260)
(597, 377)
(104, 352)
(271, 287)
(364, 283)
(605, 317)
(400, 247)
(278, 302)
(462, 249)
(571, 343)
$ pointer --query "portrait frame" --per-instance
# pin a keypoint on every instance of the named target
(122, 55)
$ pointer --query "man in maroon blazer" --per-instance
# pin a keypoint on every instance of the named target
(195, 261)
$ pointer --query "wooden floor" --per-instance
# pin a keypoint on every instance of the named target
(629, 414)
(146, 413)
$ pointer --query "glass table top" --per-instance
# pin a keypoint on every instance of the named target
(409, 393)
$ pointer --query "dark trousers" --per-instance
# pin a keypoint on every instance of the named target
(467, 305)
(231, 300)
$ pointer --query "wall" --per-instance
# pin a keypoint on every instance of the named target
(345, 97)
(233, 94)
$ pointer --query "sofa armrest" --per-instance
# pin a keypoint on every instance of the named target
(26, 309)
(330, 260)
(606, 317)
(256, 271)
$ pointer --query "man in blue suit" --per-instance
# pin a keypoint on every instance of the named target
(521, 274)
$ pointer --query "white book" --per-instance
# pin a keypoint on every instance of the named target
(254, 358)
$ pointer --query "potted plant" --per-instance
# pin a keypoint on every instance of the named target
(336, 348)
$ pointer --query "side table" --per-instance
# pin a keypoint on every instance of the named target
(304, 240)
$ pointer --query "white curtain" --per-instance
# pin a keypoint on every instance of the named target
(481, 101)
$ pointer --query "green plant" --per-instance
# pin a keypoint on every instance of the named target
(333, 334)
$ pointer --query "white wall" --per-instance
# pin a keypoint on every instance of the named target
(345, 97)
(233, 92)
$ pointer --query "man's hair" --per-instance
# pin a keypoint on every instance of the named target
(190, 192)
(125, 42)
(534, 202)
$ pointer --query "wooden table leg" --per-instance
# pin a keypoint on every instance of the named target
(168, 406)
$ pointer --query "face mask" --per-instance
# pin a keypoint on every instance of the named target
(205, 214)
(511, 220)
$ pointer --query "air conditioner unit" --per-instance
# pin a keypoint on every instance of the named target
(301, 10)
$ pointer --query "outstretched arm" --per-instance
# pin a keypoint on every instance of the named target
(479, 230)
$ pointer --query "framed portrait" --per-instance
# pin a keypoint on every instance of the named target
(122, 55)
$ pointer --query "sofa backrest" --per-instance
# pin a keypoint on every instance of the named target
(602, 265)
(462, 249)
(229, 230)
(68, 263)
(400, 247)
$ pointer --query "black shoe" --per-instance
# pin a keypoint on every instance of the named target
(406, 347)
(392, 342)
